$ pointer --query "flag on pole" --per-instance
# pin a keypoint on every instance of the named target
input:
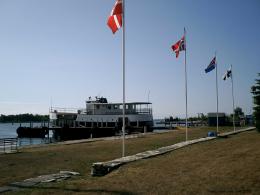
(115, 19)
(211, 66)
(227, 74)
(179, 46)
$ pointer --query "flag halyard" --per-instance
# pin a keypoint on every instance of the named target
(115, 19)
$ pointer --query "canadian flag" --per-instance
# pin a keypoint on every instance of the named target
(115, 19)
(179, 46)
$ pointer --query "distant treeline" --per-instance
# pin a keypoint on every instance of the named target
(20, 118)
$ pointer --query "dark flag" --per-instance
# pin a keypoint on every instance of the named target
(211, 66)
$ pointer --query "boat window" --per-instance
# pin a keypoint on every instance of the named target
(109, 107)
(115, 106)
(97, 106)
(121, 107)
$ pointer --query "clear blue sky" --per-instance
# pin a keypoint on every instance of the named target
(64, 51)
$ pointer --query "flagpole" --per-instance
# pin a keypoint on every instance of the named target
(217, 87)
(186, 85)
(234, 126)
(123, 62)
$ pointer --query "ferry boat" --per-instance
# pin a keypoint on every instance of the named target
(100, 118)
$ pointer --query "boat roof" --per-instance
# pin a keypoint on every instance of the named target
(133, 103)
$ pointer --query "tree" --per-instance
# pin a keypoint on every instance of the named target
(23, 118)
(238, 113)
(176, 119)
(203, 117)
(255, 90)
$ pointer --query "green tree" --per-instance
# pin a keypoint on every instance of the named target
(255, 90)
(238, 113)
(203, 117)
(23, 118)
(176, 119)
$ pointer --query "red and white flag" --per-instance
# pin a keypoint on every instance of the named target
(115, 19)
(179, 46)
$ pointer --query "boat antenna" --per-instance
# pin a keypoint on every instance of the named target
(51, 103)
(148, 98)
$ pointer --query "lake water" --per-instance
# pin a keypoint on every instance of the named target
(8, 130)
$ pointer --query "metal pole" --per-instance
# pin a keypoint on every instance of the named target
(186, 86)
(148, 99)
(217, 87)
(123, 62)
(233, 98)
(149, 96)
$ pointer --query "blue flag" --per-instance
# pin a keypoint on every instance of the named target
(211, 66)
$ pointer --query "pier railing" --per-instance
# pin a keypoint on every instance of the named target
(8, 145)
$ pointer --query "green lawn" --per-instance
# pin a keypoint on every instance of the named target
(224, 165)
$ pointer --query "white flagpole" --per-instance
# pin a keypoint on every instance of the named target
(217, 87)
(186, 85)
(233, 98)
(123, 62)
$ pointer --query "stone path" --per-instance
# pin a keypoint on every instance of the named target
(62, 175)
(103, 168)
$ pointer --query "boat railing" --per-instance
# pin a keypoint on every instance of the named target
(118, 111)
(64, 110)
(144, 111)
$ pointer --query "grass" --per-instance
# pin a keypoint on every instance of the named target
(221, 166)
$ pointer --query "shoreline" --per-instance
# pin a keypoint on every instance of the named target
(70, 142)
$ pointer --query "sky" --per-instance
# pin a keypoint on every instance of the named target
(60, 52)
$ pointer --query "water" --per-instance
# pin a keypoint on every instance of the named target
(8, 130)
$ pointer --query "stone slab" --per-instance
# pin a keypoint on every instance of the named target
(23, 184)
(235, 132)
(7, 189)
(69, 172)
(62, 175)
